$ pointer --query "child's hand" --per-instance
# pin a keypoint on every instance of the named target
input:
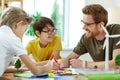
(56, 66)
(49, 66)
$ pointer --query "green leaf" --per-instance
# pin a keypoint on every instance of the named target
(117, 60)
(30, 31)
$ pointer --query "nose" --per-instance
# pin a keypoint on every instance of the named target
(84, 27)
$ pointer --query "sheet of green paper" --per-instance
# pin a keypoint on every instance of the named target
(25, 74)
(103, 77)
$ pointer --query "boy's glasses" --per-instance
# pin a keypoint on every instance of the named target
(49, 31)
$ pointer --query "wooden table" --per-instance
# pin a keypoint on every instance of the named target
(10, 76)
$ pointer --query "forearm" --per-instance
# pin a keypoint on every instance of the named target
(100, 65)
(42, 63)
(12, 69)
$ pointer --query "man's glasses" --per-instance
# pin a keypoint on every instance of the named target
(49, 31)
(88, 24)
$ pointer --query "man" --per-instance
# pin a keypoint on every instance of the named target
(94, 16)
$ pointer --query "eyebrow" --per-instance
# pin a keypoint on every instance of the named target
(88, 23)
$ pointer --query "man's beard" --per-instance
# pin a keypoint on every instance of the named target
(91, 35)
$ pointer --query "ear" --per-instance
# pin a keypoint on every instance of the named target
(37, 33)
(101, 23)
(18, 24)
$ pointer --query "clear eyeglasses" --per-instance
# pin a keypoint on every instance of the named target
(49, 31)
(88, 24)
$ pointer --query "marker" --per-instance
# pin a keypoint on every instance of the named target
(52, 56)
(56, 60)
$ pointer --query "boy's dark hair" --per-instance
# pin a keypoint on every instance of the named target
(41, 23)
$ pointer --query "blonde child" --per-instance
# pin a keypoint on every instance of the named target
(14, 22)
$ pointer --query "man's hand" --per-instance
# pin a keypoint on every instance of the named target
(76, 63)
(63, 63)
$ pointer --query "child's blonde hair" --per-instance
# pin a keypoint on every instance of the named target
(13, 15)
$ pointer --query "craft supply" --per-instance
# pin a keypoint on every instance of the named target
(52, 56)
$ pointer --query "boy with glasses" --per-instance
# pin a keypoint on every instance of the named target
(46, 43)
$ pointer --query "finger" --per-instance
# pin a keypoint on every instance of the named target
(56, 68)
(56, 65)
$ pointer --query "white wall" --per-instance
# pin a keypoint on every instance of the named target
(105, 3)
(75, 16)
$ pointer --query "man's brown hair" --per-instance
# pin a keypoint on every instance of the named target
(98, 12)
